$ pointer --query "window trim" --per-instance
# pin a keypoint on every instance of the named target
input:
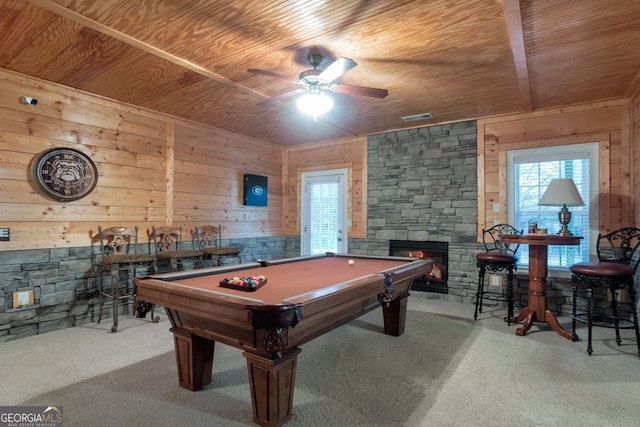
(592, 149)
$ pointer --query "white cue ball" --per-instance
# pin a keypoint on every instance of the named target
(352, 262)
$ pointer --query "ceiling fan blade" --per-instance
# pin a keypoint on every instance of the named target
(336, 69)
(360, 90)
(271, 74)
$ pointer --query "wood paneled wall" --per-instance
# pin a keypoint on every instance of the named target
(348, 153)
(153, 169)
(606, 122)
(635, 132)
(208, 189)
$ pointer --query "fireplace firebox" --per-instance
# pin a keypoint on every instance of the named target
(436, 281)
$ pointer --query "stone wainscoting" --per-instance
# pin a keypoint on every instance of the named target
(65, 282)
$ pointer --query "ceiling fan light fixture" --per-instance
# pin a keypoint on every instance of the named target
(314, 104)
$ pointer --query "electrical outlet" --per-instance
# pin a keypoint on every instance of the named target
(496, 207)
(495, 280)
(22, 298)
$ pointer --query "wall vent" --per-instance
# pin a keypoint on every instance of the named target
(415, 117)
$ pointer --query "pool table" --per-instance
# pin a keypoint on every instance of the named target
(301, 299)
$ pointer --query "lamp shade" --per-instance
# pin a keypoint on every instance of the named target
(561, 191)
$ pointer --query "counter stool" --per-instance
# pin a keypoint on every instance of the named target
(119, 250)
(498, 256)
(209, 239)
(168, 246)
(618, 257)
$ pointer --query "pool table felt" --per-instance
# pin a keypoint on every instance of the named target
(291, 279)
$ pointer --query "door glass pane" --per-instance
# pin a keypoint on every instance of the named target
(323, 217)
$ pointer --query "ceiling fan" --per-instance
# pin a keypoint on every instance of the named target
(315, 81)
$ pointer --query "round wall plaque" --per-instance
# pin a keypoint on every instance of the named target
(64, 174)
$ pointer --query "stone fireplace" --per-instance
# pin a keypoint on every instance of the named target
(436, 281)
(422, 187)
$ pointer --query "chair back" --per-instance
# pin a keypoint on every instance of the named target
(117, 240)
(620, 246)
(208, 236)
(492, 242)
(166, 238)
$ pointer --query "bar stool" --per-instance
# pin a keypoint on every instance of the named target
(168, 246)
(618, 259)
(116, 245)
(209, 239)
(498, 256)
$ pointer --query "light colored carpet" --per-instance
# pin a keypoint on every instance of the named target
(446, 370)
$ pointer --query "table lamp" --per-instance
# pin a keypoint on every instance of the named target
(562, 192)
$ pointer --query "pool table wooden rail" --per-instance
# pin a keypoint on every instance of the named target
(228, 318)
(222, 318)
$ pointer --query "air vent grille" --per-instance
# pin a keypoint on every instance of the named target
(415, 117)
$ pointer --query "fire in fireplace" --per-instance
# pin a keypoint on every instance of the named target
(436, 281)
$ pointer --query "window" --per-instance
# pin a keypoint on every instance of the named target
(528, 175)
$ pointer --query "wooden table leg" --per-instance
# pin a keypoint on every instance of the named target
(194, 357)
(537, 310)
(394, 315)
(527, 315)
(518, 318)
(272, 383)
(551, 319)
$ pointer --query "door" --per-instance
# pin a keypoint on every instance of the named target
(324, 212)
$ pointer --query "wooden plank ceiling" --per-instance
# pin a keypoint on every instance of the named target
(458, 60)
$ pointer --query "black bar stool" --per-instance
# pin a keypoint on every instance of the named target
(498, 256)
(618, 257)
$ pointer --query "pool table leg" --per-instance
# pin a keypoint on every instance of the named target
(194, 357)
(272, 383)
(395, 313)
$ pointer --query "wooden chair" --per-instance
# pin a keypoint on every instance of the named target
(618, 259)
(119, 253)
(209, 239)
(498, 256)
(168, 247)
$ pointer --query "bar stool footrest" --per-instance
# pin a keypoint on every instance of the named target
(604, 321)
